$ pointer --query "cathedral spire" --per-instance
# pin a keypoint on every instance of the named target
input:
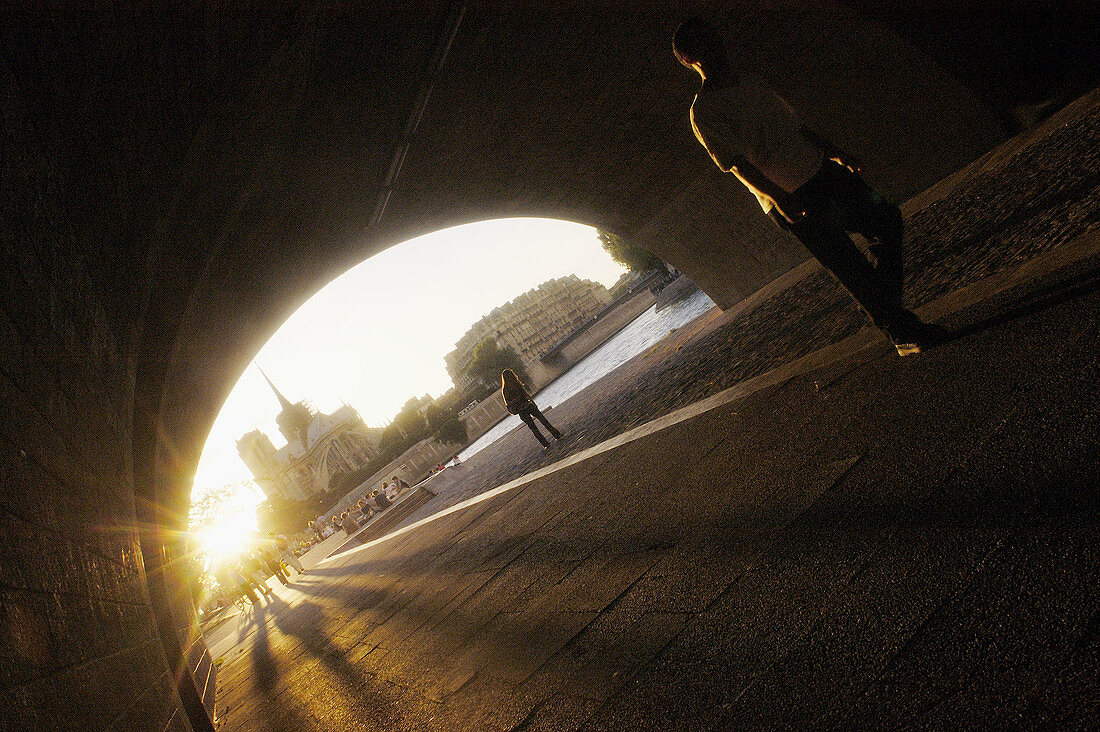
(283, 401)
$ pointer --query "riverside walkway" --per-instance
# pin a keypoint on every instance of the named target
(769, 521)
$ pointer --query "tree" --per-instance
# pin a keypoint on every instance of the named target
(409, 421)
(282, 516)
(628, 255)
(489, 360)
(435, 415)
(453, 430)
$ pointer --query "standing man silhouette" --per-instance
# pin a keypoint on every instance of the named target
(806, 184)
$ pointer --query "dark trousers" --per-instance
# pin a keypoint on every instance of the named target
(529, 415)
(838, 201)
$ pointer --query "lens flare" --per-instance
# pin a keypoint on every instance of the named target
(224, 539)
(223, 522)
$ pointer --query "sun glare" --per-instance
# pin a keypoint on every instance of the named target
(336, 349)
(224, 522)
(223, 540)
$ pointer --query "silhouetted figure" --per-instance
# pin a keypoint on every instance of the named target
(381, 498)
(806, 184)
(283, 552)
(348, 524)
(519, 402)
(265, 551)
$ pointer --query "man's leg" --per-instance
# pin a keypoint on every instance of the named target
(845, 262)
(291, 560)
(542, 418)
(526, 417)
(867, 212)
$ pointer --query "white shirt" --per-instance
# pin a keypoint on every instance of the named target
(750, 120)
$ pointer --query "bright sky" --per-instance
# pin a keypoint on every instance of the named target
(376, 335)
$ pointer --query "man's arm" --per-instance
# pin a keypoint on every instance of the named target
(751, 176)
(849, 161)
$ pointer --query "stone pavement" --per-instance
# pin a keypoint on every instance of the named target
(865, 541)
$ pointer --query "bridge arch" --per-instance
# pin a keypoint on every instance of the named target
(177, 180)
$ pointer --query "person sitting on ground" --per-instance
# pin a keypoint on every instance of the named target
(519, 402)
(806, 184)
(357, 513)
(364, 509)
(381, 498)
(348, 524)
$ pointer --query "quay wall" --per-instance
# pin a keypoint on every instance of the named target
(602, 330)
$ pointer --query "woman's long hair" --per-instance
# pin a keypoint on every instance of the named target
(512, 389)
(509, 379)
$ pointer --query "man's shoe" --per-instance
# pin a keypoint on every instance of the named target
(907, 348)
(911, 335)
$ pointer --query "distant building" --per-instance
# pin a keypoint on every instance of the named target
(532, 323)
(628, 281)
(318, 446)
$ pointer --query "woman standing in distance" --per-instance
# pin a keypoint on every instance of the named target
(519, 402)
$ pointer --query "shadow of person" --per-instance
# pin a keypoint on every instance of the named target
(305, 622)
(263, 662)
(1032, 303)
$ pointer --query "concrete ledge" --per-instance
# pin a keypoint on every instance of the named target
(405, 506)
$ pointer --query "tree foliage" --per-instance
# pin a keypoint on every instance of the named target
(489, 360)
(452, 430)
(283, 516)
(409, 420)
(435, 416)
(628, 255)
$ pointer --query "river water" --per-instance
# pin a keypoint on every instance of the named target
(645, 331)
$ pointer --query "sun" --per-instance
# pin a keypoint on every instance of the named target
(223, 540)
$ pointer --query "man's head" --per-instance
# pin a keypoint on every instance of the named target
(698, 46)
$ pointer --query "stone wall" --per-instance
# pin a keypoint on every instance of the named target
(601, 331)
(77, 632)
(487, 413)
